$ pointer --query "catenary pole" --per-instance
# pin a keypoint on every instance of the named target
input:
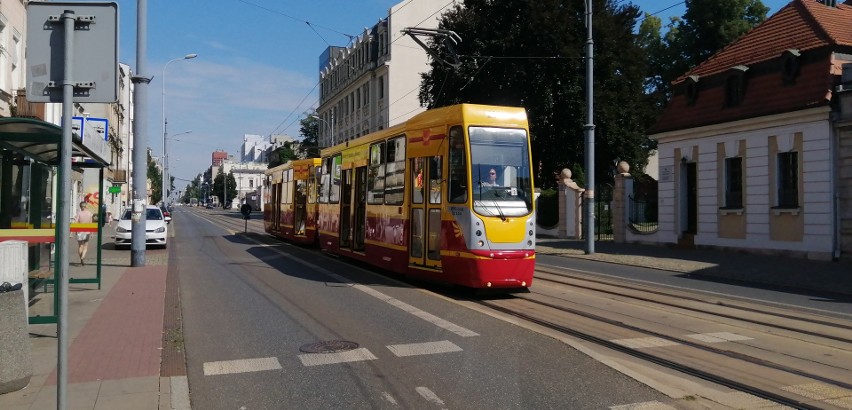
(140, 138)
(65, 208)
(589, 198)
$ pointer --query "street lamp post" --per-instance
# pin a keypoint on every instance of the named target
(329, 125)
(165, 154)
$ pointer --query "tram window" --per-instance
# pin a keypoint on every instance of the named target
(325, 180)
(435, 180)
(395, 171)
(376, 178)
(457, 167)
(417, 165)
(312, 183)
(506, 152)
(334, 195)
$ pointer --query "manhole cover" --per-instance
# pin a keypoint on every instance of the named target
(331, 346)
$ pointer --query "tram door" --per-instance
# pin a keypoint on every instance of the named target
(276, 207)
(359, 208)
(345, 208)
(426, 200)
(300, 201)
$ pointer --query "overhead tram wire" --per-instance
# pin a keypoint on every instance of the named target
(349, 36)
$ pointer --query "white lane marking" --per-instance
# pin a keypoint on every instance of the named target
(643, 342)
(418, 349)
(718, 337)
(317, 359)
(388, 398)
(444, 324)
(648, 405)
(430, 396)
(241, 366)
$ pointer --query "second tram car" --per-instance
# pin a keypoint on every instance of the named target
(291, 212)
(445, 196)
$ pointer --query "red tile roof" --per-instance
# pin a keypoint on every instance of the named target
(801, 24)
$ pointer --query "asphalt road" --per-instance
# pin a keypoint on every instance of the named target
(250, 303)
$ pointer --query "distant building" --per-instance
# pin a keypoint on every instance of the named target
(218, 157)
(254, 148)
(372, 83)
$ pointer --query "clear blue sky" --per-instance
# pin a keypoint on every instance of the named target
(256, 69)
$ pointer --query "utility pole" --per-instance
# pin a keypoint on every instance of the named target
(589, 127)
(140, 138)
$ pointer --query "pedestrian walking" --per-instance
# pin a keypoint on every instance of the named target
(83, 216)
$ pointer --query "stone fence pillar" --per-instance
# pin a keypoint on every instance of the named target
(570, 203)
(621, 202)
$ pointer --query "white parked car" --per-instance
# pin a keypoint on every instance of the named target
(156, 228)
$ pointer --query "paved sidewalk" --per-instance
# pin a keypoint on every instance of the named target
(773, 271)
(115, 338)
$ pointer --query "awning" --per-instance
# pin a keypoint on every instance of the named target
(40, 141)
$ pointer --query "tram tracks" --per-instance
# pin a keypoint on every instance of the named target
(772, 352)
(784, 350)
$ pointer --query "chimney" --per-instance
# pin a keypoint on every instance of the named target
(829, 3)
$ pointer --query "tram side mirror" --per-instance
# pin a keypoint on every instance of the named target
(246, 211)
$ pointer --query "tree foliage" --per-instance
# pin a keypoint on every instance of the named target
(530, 53)
(309, 128)
(283, 154)
(155, 180)
(707, 26)
(224, 187)
(193, 190)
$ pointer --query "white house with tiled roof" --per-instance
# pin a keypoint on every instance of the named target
(754, 153)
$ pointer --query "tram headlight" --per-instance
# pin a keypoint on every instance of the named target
(529, 243)
(478, 233)
(531, 232)
(481, 243)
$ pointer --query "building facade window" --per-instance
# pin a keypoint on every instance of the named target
(734, 183)
(788, 180)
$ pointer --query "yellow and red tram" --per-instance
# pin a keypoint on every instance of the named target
(291, 209)
(445, 196)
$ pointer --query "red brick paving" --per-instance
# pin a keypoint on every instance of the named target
(123, 339)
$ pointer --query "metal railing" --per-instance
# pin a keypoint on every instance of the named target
(642, 215)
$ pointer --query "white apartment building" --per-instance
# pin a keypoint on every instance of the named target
(13, 20)
(374, 81)
(254, 148)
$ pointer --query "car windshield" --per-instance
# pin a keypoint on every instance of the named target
(151, 215)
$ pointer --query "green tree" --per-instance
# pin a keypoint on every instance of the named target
(283, 154)
(531, 54)
(309, 128)
(155, 178)
(707, 26)
(193, 190)
(220, 187)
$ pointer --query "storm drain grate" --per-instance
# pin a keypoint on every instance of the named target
(330, 346)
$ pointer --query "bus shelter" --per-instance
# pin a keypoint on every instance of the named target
(29, 167)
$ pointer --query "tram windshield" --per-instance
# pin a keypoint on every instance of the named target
(500, 171)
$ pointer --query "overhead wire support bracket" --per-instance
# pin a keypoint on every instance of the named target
(451, 39)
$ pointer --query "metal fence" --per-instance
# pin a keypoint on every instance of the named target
(642, 214)
(603, 212)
